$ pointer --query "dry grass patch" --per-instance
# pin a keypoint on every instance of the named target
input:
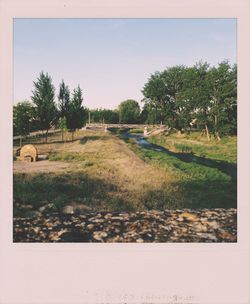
(111, 176)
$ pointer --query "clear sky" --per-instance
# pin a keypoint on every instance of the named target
(111, 59)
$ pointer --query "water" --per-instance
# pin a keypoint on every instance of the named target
(141, 141)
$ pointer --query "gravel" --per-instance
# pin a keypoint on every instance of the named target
(189, 226)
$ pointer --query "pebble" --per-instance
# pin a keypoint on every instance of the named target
(187, 225)
(213, 225)
(90, 226)
(99, 235)
(68, 209)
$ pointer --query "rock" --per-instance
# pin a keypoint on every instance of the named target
(213, 225)
(199, 227)
(117, 218)
(180, 219)
(43, 156)
(81, 208)
(208, 236)
(47, 207)
(189, 217)
(227, 236)
(98, 221)
(90, 226)
(117, 230)
(68, 209)
(99, 235)
(147, 226)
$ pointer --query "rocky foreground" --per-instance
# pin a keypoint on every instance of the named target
(213, 225)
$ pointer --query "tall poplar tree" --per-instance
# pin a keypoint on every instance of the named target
(63, 107)
(43, 98)
(76, 114)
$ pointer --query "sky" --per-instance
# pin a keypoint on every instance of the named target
(112, 59)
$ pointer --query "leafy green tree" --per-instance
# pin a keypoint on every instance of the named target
(223, 95)
(155, 97)
(62, 123)
(129, 112)
(104, 116)
(76, 115)
(149, 115)
(181, 94)
(43, 98)
(110, 116)
(195, 96)
(161, 93)
(64, 99)
(23, 116)
(63, 107)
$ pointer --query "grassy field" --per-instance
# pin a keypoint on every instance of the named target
(108, 172)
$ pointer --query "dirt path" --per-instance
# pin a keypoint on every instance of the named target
(40, 166)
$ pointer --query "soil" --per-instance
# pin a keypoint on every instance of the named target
(39, 166)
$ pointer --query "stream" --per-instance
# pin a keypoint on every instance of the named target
(141, 141)
(227, 168)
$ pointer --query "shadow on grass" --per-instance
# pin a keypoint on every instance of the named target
(60, 190)
(203, 183)
(193, 195)
(225, 167)
(90, 138)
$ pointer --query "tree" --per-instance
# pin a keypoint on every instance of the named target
(161, 94)
(155, 97)
(129, 111)
(195, 97)
(104, 116)
(43, 98)
(223, 95)
(62, 123)
(149, 115)
(63, 107)
(64, 99)
(76, 113)
(23, 115)
(180, 94)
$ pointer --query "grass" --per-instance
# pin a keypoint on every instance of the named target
(202, 182)
(136, 131)
(108, 173)
(226, 149)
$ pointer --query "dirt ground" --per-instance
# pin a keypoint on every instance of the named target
(39, 166)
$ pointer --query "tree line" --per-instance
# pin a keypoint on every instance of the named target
(44, 112)
(180, 97)
(200, 96)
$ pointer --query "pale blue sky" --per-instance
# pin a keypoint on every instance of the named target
(111, 59)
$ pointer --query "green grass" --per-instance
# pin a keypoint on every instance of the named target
(201, 182)
(189, 173)
(136, 131)
(226, 149)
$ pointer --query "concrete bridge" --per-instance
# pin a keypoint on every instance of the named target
(123, 126)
